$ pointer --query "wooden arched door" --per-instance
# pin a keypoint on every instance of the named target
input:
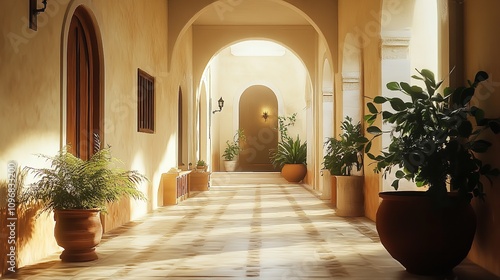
(84, 129)
(258, 117)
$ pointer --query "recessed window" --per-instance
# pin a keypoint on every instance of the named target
(145, 102)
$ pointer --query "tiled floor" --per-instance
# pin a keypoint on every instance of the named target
(274, 231)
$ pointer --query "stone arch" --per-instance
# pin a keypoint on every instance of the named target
(205, 50)
(232, 91)
(326, 27)
(236, 97)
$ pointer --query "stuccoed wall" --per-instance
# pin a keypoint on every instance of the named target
(133, 36)
(481, 53)
(30, 105)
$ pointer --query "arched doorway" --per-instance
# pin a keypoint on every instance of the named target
(85, 110)
(258, 117)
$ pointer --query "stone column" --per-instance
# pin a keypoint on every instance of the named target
(396, 66)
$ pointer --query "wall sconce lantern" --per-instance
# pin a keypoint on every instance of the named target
(34, 11)
(221, 104)
(265, 115)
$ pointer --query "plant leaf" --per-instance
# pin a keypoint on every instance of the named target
(398, 104)
(374, 130)
(393, 86)
(395, 184)
(400, 174)
(368, 147)
(386, 115)
(379, 100)
(372, 108)
(480, 76)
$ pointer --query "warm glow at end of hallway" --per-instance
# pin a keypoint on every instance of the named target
(257, 48)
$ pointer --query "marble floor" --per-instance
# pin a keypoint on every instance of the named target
(258, 231)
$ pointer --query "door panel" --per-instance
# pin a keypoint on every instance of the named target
(84, 100)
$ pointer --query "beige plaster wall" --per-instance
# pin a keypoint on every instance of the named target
(286, 76)
(133, 36)
(424, 37)
(30, 105)
(481, 53)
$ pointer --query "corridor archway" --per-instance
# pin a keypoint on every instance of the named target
(230, 75)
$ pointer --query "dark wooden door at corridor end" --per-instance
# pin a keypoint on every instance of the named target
(84, 129)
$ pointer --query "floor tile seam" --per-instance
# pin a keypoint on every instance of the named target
(255, 243)
(119, 231)
(339, 270)
(364, 230)
(178, 227)
(216, 216)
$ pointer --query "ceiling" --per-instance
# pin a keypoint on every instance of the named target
(255, 12)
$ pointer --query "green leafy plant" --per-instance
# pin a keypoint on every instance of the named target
(332, 159)
(233, 147)
(283, 124)
(12, 188)
(345, 153)
(289, 151)
(201, 163)
(434, 136)
(73, 183)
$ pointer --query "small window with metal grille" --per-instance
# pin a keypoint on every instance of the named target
(145, 102)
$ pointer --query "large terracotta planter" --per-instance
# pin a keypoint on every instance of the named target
(78, 232)
(350, 196)
(294, 173)
(425, 238)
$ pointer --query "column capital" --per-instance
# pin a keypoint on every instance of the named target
(395, 44)
(351, 80)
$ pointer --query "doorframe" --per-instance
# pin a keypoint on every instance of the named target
(70, 11)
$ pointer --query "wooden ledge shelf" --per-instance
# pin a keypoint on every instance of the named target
(199, 181)
(177, 185)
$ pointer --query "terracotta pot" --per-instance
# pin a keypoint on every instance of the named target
(201, 168)
(425, 238)
(350, 196)
(78, 232)
(294, 173)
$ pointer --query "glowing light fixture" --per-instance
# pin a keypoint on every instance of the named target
(265, 115)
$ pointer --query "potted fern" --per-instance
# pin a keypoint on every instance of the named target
(232, 150)
(434, 141)
(343, 156)
(77, 191)
(290, 157)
